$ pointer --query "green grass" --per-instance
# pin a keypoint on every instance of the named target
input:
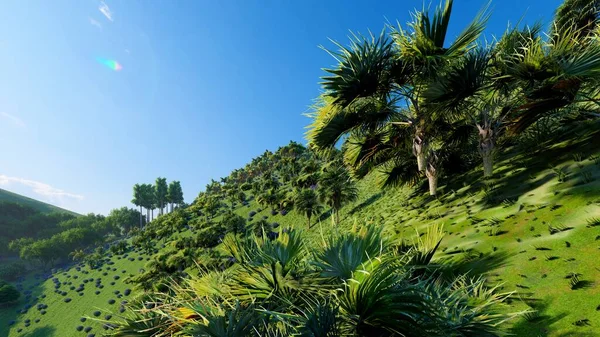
(35, 204)
(61, 318)
(530, 232)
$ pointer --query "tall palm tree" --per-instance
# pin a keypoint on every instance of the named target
(306, 203)
(160, 191)
(379, 81)
(336, 188)
(138, 199)
(522, 77)
(147, 194)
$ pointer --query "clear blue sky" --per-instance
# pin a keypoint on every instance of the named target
(204, 87)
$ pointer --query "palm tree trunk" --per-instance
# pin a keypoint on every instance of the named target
(141, 217)
(433, 181)
(152, 213)
(486, 147)
(420, 147)
(432, 173)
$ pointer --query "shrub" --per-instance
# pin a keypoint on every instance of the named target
(210, 237)
(233, 223)
(8, 293)
(11, 271)
(262, 226)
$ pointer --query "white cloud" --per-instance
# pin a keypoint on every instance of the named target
(103, 8)
(46, 191)
(95, 23)
(16, 120)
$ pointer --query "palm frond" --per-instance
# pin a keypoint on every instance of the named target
(342, 255)
(451, 92)
(363, 69)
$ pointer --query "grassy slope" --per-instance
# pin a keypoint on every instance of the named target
(527, 200)
(35, 204)
(61, 318)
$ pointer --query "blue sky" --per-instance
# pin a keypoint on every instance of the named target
(204, 87)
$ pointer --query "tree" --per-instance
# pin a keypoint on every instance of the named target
(175, 194)
(8, 293)
(123, 217)
(148, 198)
(94, 260)
(160, 191)
(336, 188)
(232, 195)
(522, 78)
(307, 204)
(379, 82)
(138, 199)
(78, 255)
(233, 223)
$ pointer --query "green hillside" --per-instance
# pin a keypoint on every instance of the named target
(528, 232)
(447, 189)
(35, 204)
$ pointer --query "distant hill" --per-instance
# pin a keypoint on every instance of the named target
(35, 204)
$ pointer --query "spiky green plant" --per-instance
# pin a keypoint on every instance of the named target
(356, 283)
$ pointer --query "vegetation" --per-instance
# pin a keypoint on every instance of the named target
(422, 244)
(8, 293)
(42, 207)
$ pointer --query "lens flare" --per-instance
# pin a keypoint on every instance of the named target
(112, 64)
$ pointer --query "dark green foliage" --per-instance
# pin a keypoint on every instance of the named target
(20, 221)
(10, 271)
(234, 223)
(210, 237)
(8, 293)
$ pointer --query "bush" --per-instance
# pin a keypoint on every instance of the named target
(10, 271)
(262, 226)
(8, 293)
(210, 237)
(233, 223)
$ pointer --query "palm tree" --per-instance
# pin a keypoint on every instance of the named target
(138, 199)
(160, 191)
(336, 188)
(306, 203)
(147, 195)
(379, 81)
(522, 78)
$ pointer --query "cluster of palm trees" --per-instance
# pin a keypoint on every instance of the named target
(158, 196)
(313, 183)
(293, 177)
(408, 93)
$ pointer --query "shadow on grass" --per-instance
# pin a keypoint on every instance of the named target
(46, 331)
(473, 265)
(539, 322)
(365, 203)
(518, 173)
(325, 215)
